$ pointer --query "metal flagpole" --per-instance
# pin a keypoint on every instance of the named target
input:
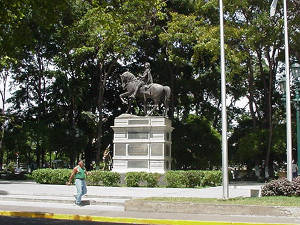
(288, 97)
(224, 116)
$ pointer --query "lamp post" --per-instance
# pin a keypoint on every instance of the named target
(296, 75)
(224, 113)
(287, 88)
(295, 69)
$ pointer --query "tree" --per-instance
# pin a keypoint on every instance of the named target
(116, 28)
(196, 144)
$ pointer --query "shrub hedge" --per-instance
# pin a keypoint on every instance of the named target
(104, 178)
(282, 187)
(51, 176)
(211, 178)
(173, 179)
(152, 179)
(193, 178)
(136, 179)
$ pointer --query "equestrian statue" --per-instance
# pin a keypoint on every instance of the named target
(143, 88)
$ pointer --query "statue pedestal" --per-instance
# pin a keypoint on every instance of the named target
(142, 144)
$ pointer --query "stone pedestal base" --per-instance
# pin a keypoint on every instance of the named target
(142, 144)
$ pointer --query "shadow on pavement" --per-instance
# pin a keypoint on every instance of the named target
(3, 192)
(7, 220)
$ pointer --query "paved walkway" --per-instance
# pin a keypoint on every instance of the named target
(21, 198)
(32, 188)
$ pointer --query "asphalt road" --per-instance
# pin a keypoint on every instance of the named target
(8, 220)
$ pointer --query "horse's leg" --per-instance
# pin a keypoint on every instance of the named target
(145, 104)
(154, 107)
(124, 95)
(166, 103)
(129, 105)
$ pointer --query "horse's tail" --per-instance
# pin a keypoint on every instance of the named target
(167, 91)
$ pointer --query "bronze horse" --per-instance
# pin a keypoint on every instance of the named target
(154, 91)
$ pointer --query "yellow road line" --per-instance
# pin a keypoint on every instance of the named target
(122, 220)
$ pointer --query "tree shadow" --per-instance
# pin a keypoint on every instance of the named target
(3, 192)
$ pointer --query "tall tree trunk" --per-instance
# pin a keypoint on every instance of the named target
(87, 153)
(2, 130)
(40, 89)
(270, 126)
(251, 90)
(1, 149)
(100, 106)
(272, 72)
(267, 109)
(172, 89)
(38, 154)
(100, 102)
(2, 114)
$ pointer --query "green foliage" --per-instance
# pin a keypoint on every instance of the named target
(196, 144)
(135, 179)
(29, 176)
(212, 178)
(244, 133)
(114, 28)
(152, 179)
(175, 179)
(193, 178)
(11, 167)
(61, 55)
(105, 178)
(61, 176)
(94, 178)
(110, 178)
(51, 176)
(259, 201)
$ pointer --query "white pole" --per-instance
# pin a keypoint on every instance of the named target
(224, 116)
(288, 98)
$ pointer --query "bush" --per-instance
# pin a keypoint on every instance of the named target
(61, 176)
(51, 176)
(211, 178)
(152, 179)
(28, 176)
(133, 179)
(193, 178)
(296, 182)
(11, 167)
(280, 187)
(94, 178)
(110, 178)
(105, 178)
(175, 179)
(136, 179)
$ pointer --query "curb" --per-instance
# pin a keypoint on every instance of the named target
(206, 208)
(122, 220)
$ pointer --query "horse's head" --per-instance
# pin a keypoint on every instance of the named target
(123, 79)
(126, 77)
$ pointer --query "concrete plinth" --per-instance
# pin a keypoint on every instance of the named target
(142, 144)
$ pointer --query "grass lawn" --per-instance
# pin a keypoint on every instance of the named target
(267, 201)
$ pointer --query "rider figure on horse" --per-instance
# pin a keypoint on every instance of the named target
(145, 79)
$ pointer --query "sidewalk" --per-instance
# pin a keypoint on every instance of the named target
(108, 203)
(32, 188)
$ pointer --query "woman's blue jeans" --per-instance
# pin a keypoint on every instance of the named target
(81, 190)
